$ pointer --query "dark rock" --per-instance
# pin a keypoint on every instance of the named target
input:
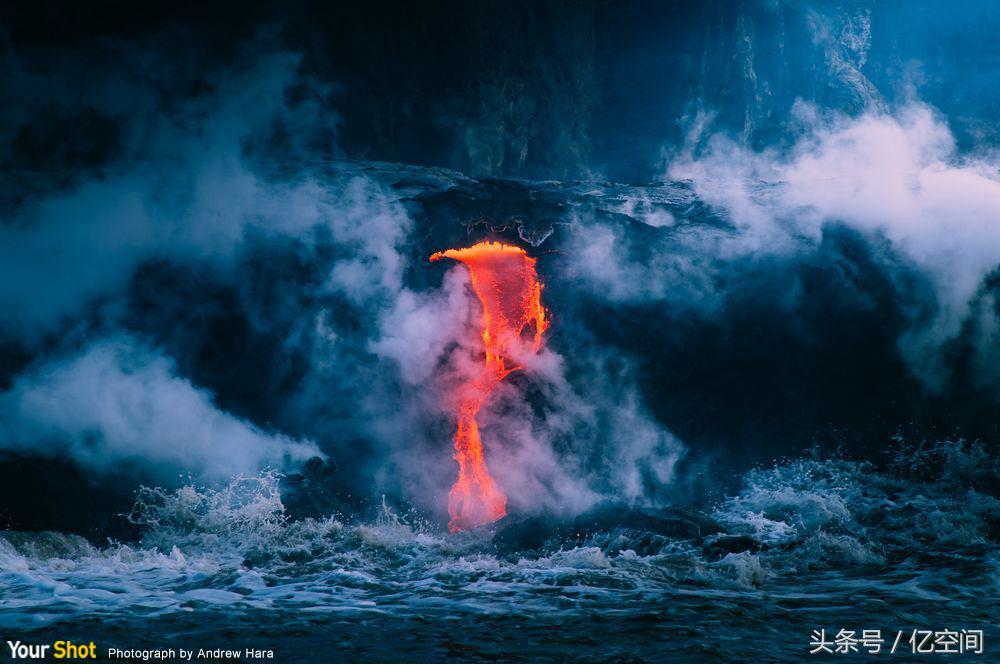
(528, 534)
(718, 547)
(313, 492)
(670, 523)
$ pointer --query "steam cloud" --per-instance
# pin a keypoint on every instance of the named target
(893, 176)
(896, 178)
(118, 404)
(185, 190)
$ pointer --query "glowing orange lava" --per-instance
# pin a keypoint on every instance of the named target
(506, 283)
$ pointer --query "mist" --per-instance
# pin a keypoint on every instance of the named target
(893, 176)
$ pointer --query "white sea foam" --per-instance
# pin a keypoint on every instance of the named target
(234, 549)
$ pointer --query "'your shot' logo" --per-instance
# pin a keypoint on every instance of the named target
(56, 650)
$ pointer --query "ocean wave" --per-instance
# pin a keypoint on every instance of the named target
(235, 548)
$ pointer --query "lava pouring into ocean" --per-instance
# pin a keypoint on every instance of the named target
(505, 281)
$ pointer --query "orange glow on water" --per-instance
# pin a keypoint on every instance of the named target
(506, 282)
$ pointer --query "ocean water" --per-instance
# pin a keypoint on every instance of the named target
(806, 544)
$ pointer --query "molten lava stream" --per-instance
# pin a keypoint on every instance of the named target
(506, 283)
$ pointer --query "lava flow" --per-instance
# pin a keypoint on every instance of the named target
(506, 283)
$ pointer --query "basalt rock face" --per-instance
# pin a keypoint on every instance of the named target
(557, 89)
(574, 90)
(564, 90)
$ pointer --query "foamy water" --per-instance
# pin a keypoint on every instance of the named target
(837, 545)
